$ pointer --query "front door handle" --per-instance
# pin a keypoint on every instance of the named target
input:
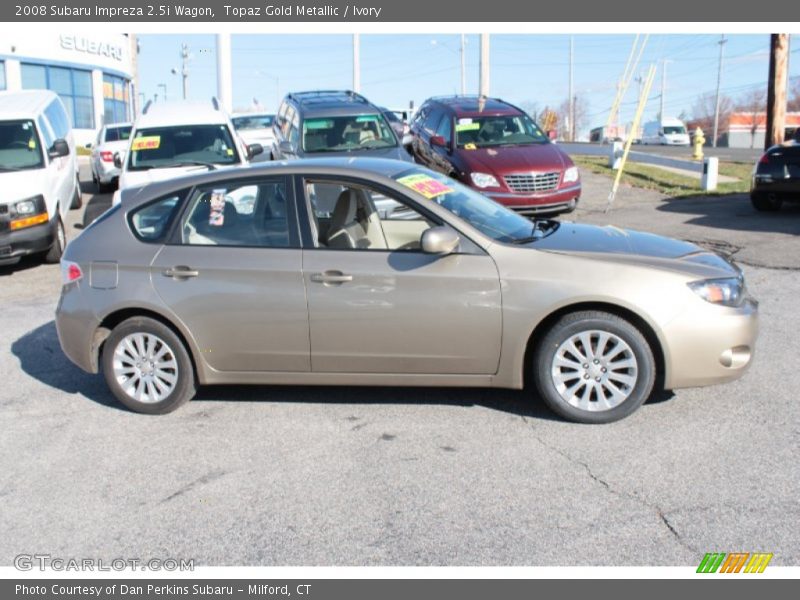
(181, 272)
(331, 277)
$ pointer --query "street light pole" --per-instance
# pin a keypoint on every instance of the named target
(463, 67)
(721, 43)
(484, 66)
(185, 69)
(356, 63)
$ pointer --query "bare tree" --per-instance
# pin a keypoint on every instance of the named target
(581, 115)
(754, 103)
(793, 102)
(703, 113)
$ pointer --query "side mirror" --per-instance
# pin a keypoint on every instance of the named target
(286, 147)
(437, 140)
(59, 148)
(439, 240)
(254, 150)
(117, 160)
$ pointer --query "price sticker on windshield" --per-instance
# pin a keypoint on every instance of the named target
(147, 142)
(425, 185)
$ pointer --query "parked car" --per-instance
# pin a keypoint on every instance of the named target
(111, 140)
(776, 177)
(398, 120)
(38, 175)
(255, 128)
(173, 138)
(498, 150)
(668, 131)
(175, 287)
(333, 123)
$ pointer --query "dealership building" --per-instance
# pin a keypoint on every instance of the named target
(93, 74)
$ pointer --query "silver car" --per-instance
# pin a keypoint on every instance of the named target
(175, 288)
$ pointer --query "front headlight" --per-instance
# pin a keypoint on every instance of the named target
(26, 207)
(571, 174)
(727, 292)
(484, 180)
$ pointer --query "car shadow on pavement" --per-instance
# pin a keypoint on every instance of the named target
(25, 263)
(40, 356)
(96, 207)
(734, 212)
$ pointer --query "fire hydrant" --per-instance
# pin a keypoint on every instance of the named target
(699, 140)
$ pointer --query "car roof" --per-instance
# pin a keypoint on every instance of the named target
(469, 106)
(24, 104)
(187, 112)
(331, 103)
(336, 166)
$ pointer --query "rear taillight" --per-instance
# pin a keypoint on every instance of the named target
(107, 156)
(764, 160)
(70, 272)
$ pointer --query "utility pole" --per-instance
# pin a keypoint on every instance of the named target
(571, 109)
(776, 90)
(663, 87)
(721, 43)
(483, 89)
(224, 68)
(463, 66)
(356, 63)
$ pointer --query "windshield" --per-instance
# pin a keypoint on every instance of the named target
(19, 146)
(508, 130)
(484, 214)
(163, 147)
(345, 134)
(253, 122)
(674, 129)
(118, 134)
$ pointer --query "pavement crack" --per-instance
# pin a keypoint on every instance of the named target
(612, 490)
(205, 479)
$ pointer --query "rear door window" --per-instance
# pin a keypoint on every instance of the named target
(151, 222)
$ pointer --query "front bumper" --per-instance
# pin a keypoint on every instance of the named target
(560, 200)
(710, 345)
(31, 240)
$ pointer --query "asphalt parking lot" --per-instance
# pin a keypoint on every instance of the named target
(380, 476)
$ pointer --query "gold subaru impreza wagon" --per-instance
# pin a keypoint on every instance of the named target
(376, 272)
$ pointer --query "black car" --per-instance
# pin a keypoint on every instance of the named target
(776, 177)
(333, 123)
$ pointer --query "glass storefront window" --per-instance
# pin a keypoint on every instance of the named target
(74, 87)
(115, 99)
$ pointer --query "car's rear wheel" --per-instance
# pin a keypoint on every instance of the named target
(765, 202)
(147, 367)
(594, 367)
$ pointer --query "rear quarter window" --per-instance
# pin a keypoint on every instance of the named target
(152, 222)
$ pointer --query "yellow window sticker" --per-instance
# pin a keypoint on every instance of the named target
(230, 151)
(425, 185)
(147, 142)
(468, 126)
(470, 146)
(32, 144)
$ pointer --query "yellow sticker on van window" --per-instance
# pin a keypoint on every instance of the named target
(230, 151)
(32, 144)
(425, 185)
(470, 146)
(147, 142)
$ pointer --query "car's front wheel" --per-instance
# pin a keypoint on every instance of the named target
(147, 367)
(594, 367)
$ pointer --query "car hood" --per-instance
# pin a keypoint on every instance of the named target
(19, 185)
(136, 178)
(396, 152)
(514, 159)
(627, 246)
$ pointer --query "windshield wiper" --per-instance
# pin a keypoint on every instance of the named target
(544, 227)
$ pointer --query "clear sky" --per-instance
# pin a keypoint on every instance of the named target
(398, 68)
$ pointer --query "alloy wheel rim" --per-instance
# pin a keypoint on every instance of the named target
(145, 367)
(594, 370)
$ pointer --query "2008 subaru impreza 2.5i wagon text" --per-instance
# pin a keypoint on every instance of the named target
(375, 272)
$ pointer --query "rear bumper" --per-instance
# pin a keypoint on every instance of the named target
(106, 172)
(561, 200)
(77, 326)
(710, 345)
(785, 189)
(16, 244)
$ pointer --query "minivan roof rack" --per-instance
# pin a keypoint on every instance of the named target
(326, 94)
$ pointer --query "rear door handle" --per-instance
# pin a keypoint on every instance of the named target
(331, 277)
(181, 272)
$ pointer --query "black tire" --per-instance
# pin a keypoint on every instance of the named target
(59, 242)
(765, 202)
(583, 321)
(77, 198)
(185, 387)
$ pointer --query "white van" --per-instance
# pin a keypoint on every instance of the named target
(666, 132)
(38, 175)
(170, 139)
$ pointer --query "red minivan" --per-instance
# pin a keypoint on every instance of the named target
(497, 149)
